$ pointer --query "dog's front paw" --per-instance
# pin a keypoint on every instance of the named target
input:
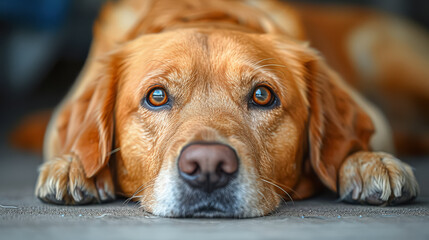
(376, 178)
(63, 181)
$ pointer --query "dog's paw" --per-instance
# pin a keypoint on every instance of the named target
(63, 181)
(376, 178)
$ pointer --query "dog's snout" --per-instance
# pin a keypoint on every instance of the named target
(208, 166)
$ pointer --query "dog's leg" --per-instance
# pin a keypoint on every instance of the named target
(376, 178)
(63, 181)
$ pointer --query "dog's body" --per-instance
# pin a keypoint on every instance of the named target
(215, 108)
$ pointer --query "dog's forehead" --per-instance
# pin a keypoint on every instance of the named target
(203, 55)
(204, 60)
(198, 51)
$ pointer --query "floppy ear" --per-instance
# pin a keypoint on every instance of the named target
(85, 122)
(337, 125)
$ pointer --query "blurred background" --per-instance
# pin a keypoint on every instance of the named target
(44, 43)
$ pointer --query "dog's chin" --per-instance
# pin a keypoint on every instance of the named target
(188, 202)
(175, 199)
(208, 212)
(221, 203)
(205, 212)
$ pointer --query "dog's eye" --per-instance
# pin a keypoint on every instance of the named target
(157, 97)
(263, 96)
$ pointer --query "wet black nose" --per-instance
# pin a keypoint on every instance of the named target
(208, 166)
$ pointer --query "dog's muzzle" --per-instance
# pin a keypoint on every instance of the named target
(208, 171)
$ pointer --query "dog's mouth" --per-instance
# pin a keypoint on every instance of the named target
(221, 203)
(208, 211)
(209, 208)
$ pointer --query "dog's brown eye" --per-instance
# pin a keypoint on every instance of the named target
(157, 97)
(262, 96)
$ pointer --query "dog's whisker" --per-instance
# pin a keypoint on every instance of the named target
(269, 65)
(266, 200)
(277, 186)
(280, 196)
(131, 198)
(151, 183)
(256, 68)
(136, 192)
(263, 197)
(263, 60)
(274, 192)
(134, 196)
(143, 204)
(139, 190)
(288, 188)
(114, 151)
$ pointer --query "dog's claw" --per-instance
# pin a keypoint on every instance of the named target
(82, 197)
(404, 198)
(62, 181)
(349, 198)
(104, 196)
(374, 198)
(374, 178)
(51, 198)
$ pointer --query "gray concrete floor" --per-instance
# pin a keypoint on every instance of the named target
(22, 216)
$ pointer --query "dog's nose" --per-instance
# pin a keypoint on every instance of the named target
(208, 166)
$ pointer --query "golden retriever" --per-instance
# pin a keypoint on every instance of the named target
(214, 109)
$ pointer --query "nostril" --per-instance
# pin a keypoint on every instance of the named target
(207, 166)
(219, 168)
(190, 173)
(224, 169)
(196, 171)
(189, 166)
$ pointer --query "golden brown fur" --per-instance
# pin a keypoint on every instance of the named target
(209, 55)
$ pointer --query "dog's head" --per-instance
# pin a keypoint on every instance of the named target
(217, 123)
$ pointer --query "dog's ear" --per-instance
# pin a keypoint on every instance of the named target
(337, 125)
(85, 121)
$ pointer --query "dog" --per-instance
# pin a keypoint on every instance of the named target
(215, 109)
